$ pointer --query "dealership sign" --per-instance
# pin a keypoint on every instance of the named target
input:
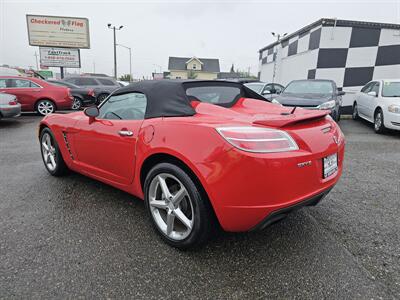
(52, 31)
(60, 57)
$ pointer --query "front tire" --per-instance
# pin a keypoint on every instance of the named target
(45, 107)
(51, 155)
(355, 115)
(379, 125)
(178, 212)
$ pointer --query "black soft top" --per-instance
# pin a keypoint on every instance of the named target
(167, 98)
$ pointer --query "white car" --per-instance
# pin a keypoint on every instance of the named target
(379, 103)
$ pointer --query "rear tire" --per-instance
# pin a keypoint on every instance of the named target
(379, 125)
(45, 107)
(355, 115)
(51, 155)
(77, 103)
(189, 230)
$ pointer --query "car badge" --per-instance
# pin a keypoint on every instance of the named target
(304, 164)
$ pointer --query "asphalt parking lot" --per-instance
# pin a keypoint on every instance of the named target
(74, 237)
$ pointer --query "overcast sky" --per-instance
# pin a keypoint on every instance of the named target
(232, 31)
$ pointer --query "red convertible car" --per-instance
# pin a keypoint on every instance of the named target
(201, 154)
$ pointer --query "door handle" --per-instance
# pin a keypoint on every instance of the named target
(125, 133)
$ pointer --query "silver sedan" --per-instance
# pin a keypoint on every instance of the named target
(9, 106)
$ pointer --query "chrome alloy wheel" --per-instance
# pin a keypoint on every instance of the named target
(45, 107)
(171, 206)
(49, 152)
(76, 104)
(378, 121)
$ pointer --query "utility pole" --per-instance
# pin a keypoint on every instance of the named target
(109, 25)
(37, 64)
(130, 60)
(275, 53)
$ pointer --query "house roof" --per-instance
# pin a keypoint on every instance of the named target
(331, 23)
(179, 63)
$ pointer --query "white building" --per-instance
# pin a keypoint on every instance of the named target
(349, 52)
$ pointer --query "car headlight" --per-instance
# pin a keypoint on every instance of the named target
(258, 139)
(327, 105)
(394, 108)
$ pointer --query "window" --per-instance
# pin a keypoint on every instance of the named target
(106, 82)
(71, 80)
(21, 83)
(194, 66)
(390, 89)
(278, 88)
(368, 87)
(131, 106)
(375, 88)
(256, 87)
(214, 94)
(85, 81)
(3, 83)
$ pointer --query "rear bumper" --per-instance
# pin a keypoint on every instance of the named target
(10, 111)
(283, 212)
(245, 190)
(64, 104)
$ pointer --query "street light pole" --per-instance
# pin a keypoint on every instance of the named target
(130, 60)
(115, 46)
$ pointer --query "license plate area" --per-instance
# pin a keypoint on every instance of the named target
(330, 165)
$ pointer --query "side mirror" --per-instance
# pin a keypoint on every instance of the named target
(92, 112)
(341, 93)
(372, 93)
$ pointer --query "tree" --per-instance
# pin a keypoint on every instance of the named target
(192, 74)
(126, 77)
(232, 69)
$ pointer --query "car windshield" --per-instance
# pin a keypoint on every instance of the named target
(309, 87)
(214, 94)
(257, 87)
(391, 89)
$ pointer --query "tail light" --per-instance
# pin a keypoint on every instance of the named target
(69, 93)
(13, 102)
(91, 92)
(258, 139)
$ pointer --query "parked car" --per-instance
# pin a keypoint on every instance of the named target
(267, 90)
(82, 96)
(200, 153)
(379, 103)
(103, 86)
(37, 95)
(313, 94)
(123, 83)
(9, 106)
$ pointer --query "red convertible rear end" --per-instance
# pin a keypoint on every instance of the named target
(200, 153)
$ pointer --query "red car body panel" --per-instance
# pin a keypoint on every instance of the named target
(29, 96)
(243, 187)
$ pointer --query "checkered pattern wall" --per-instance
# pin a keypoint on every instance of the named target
(350, 55)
